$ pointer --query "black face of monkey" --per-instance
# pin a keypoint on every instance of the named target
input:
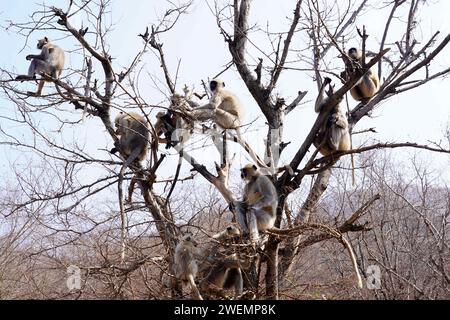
(213, 85)
(191, 240)
(353, 53)
(248, 171)
(41, 43)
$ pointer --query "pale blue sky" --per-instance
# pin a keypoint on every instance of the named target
(420, 115)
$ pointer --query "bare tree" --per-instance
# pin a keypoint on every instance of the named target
(81, 219)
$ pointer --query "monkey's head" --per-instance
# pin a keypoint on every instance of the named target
(41, 43)
(233, 231)
(118, 123)
(249, 171)
(354, 53)
(160, 114)
(188, 240)
(216, 84)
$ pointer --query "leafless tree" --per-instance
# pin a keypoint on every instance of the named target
(67, 220)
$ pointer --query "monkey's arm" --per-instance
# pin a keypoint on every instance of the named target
(320, 97)
(267, 191)
(213, 103)
(42, 56)
(340, 120)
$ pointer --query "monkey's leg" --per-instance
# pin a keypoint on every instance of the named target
(241, 216)
(131, 189)
(226, 120)
(370, 85)
(32, 68)
(194, 287)
(335, 136)
(39, 89)
(31, 72)
(203, 114)
(24, 77)
(253, 226)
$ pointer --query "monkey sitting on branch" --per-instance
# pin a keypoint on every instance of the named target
(257, 210)
(171, 126)
(224, 108)
(334, 134)
(49, 62)
(185, 263)
(133, 132)
(368, 85)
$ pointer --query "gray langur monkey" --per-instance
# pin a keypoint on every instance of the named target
(185, 264)
(171, 124)
(224, 108)
(133, 131)
(334, 134)
(50, 61)
(368, 85)
(221, 268)
(257, 210)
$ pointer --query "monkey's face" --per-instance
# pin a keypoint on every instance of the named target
(119, 123)
(354, 53)
(41, 43)
(248, 172)
(233, 231)
(189, 240)
(216, 84)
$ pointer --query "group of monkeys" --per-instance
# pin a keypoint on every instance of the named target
(256, 212)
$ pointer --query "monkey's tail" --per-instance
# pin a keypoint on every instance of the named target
(351, 253)
(133, 156)
(352, 158)
(122, 214)
(238, 139)
(175, 179)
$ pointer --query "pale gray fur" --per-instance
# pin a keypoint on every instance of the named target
(50, 61)
(133, 132)
(257, 210)
(334, 134)
(224, 108)
(185, 264)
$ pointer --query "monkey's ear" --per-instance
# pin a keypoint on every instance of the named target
(254, 167)
(46, 39)
(223, 84)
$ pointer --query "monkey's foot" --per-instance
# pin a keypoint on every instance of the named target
(22, 78)
(33, 94)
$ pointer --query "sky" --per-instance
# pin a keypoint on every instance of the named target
(421, 115)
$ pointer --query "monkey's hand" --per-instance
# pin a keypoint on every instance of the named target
(339, 121)
(234, 206)
(113, 150)
(29, 57)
